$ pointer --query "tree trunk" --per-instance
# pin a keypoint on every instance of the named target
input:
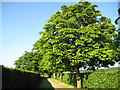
(54, 76)
(78, 78)
(60, 77)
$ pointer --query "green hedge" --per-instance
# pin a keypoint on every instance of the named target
(104, 79)
(100, 79)
(58, 76)
(68, 78)
(12, 78)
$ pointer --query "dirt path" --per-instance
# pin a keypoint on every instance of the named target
(54, 84)
(57, 84)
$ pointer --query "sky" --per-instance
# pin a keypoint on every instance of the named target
(22, 22)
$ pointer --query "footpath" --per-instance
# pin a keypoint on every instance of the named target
(54, 84)
(57, 84)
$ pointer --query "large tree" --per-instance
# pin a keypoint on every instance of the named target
(78, 36)
(75, 37)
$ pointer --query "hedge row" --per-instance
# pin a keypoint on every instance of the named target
(103, 79)
(12, 78)
(68, 78)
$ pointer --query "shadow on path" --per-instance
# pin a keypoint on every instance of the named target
(45, 84)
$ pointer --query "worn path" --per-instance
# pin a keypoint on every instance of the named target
(57, 84)
(53, 84)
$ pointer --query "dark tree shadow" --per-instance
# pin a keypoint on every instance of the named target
(45, 84)
(13, 79)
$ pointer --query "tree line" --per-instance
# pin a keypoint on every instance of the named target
(77, 36)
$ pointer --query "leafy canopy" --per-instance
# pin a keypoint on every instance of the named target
(77, 36)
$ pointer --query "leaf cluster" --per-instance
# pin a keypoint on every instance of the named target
(77, 36)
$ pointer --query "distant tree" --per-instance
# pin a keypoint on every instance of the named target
(29, 61)
(49, 62)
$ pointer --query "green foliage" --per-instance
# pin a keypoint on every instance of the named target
(68, 78)
(84, 85)
(107, 79)
(75, 37)
(104, 79)
(58, 76)
(29, 61)
(13, 78)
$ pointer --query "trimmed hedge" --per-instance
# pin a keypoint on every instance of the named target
(70, 78)
(58, 76)
(104, 79)
(12, 78)
(101, 79)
